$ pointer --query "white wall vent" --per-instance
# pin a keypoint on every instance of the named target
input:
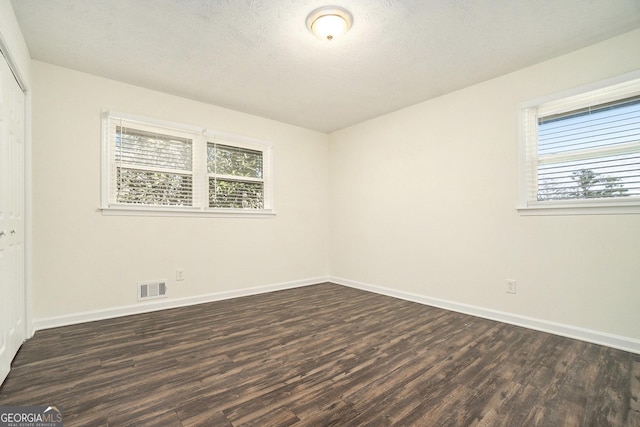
(152, 290)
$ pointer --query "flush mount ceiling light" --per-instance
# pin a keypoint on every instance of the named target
(329, 22)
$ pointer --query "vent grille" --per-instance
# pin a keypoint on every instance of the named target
(152, 290)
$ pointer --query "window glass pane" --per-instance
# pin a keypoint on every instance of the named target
(599, 126)
(234, 161)
(153, 188)
(590, 153)
(235, 194)
(609, 176)
(137, 147)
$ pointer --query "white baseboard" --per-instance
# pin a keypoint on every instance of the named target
(569, 331)
(146, 307)
(597, 337)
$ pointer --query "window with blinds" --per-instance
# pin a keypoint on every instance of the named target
(152, 168)
(148, 165)
(235, 177)
(584, 150)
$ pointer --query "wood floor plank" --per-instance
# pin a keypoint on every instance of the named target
(322, 355)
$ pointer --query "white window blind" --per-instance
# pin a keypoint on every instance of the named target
(584, 148)
(151, 166)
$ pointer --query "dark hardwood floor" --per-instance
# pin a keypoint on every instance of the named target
(322, 355)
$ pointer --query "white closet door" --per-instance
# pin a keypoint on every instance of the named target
(12, 233)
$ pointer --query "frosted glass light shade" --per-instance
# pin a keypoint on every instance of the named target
(329, 22)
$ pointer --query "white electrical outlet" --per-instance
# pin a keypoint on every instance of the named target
(511, 286)
(179, 274)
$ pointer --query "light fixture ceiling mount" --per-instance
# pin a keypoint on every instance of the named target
(329, 22)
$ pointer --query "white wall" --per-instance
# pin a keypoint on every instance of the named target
(419, 202)
(84, 261)
(423, 202)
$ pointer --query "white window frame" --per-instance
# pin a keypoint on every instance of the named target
(200, 137)
(615, 88)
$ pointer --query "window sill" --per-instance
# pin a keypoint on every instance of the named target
(182, 212)
(578, 207)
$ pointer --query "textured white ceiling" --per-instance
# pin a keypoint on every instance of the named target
(258, 57)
